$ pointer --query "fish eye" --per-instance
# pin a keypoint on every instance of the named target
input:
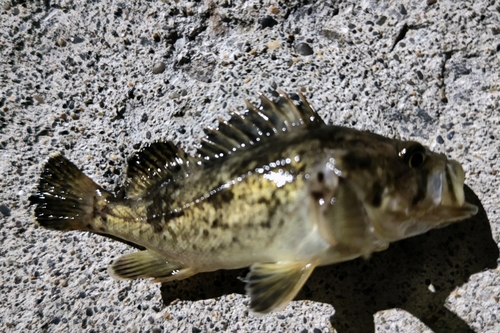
(414, 155)
(416, 160)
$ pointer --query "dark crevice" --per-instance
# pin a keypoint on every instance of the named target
(447, 56)
(401, 35)
(404, 30)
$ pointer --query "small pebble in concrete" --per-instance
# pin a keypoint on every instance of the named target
(159, 67)
(304, 49)
(267, 22)
(4, 210)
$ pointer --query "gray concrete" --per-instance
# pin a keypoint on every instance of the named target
(77, 77)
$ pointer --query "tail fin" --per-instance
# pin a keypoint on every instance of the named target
(65, 196)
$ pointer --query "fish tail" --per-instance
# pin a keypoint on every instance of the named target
(66, 198)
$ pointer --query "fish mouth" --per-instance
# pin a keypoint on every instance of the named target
(453, 189)
(446, 189)
(444, 204)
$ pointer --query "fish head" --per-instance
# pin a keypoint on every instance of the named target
(409, 190)
(389, 190)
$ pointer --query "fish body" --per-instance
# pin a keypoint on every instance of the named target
(274, 188)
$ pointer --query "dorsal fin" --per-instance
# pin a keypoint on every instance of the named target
(153, 166)
(257, 124)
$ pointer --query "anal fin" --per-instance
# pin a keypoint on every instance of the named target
(271, 286)
(148, 264)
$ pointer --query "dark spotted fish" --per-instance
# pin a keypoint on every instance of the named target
(273, 188)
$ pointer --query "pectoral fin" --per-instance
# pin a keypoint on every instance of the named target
(147, 264)
(272, 285)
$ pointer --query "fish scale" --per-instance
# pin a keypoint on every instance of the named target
(274, 189)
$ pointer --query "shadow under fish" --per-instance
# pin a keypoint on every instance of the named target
(396, 278)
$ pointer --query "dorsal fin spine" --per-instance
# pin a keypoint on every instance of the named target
(246, 126)
(232, 133)
(239, 135)
(256, 124)
(212, 146)
(222, 141)
(154, 165)
(295, 112)
(274, 113)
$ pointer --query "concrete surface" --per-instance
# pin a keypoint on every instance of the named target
(96, 80)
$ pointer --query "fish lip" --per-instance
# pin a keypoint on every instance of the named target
(465, 207)
(435, 188)
(455, 178)
(445, 187)
(467, 210)
(470, 208)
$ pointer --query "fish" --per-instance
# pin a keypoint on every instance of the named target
(274, 188)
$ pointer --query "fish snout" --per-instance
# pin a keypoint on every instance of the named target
(453, 184)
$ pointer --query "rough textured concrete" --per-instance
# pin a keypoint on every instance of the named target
(95, 80)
